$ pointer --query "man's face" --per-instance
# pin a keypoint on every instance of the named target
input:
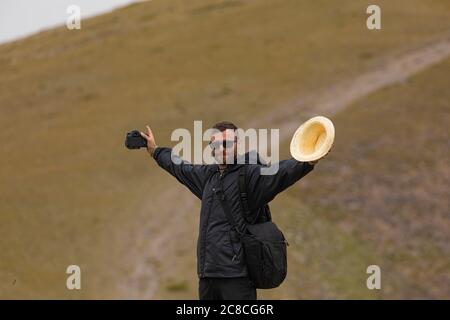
(224, 146)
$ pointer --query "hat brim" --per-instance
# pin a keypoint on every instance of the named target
(313, 139)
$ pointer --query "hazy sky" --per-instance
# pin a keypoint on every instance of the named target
(19, 18)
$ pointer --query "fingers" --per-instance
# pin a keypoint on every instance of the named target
(144, 136)
(149, 132)
(148, 135)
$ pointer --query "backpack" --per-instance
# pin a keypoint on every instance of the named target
(265, 247)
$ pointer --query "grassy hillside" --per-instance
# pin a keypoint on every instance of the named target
(381, 198)
(72, 194)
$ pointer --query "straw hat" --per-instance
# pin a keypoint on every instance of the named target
(313, 139)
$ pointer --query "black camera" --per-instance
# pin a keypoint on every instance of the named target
(134, 140)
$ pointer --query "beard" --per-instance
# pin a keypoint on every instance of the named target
(228, 158)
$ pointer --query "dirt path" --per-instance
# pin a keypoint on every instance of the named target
(327, 101)
(335, 98)
(155, 238)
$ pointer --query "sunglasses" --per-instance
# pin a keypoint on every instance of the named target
(226, 144)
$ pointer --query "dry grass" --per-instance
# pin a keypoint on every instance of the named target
(72, 194)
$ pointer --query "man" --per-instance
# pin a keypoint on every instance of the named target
(220, 260)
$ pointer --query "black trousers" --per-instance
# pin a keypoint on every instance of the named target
(226, 289)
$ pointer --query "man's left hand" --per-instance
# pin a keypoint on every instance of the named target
(316, 161)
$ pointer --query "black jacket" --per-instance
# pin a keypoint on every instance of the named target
(219, 254)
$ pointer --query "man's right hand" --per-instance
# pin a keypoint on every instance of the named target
(151, 144)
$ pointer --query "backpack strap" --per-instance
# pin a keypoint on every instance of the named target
(228, 213)
(243, 190)
(244, 198)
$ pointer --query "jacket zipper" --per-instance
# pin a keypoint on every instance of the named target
(229, 233)
(205, 231)
(202, 273)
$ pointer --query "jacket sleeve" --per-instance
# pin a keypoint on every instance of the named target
(262, 189)
(192, 176)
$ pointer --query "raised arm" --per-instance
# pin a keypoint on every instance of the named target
(192, 176)
(262, 189)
